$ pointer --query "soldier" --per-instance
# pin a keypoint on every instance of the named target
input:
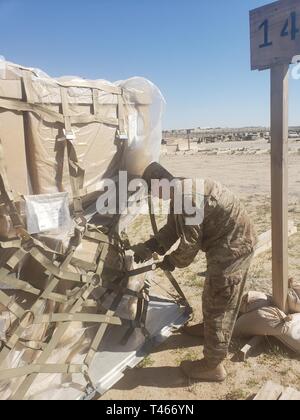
(227, 236)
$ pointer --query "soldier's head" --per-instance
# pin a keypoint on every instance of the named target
(160, 181)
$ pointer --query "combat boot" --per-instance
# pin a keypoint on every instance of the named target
(202, 371)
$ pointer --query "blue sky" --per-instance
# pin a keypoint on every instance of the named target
(196, 51)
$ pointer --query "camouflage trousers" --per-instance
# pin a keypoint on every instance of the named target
(223, 292)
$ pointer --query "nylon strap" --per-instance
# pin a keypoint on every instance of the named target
(53, 282)
(122, 134)
(39, 368)
(60, 331)
(169, 275)
(51, 116)
(82, 317)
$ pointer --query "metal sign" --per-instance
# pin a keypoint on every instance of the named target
(275, 34)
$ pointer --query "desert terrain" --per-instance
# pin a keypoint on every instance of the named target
(244, 167)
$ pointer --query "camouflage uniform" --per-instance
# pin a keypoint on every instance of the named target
(227, 236)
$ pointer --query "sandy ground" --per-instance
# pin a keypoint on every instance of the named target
(159, 376)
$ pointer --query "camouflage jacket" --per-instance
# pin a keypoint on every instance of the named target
(225, 227)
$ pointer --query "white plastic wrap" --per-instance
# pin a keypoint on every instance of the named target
(145, 124)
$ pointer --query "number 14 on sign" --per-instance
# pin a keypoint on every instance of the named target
(289, 29)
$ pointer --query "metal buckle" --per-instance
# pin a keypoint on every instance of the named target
(69, 135)
(122, 135)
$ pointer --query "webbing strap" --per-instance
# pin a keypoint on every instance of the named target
(76, 172)
(168, 274)
(95, 101)
(90, 84)
(13, 307)
(39, 368)
(28, 87)
(140, 317)
(9, 279)
(97, 236)
(7, 195)
(82, 317)
(122, 133)
(103, 327)
(51, 116)
(144, 314)
(32, 345)
(54, 270)
(53, 282)
(15, 259)
(59, 332)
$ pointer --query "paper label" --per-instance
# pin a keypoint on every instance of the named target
(48, 213)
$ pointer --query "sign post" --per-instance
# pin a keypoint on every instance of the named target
(189, 138)
(279, 182)
(275, 40)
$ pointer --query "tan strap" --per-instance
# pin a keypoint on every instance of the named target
(76, 172)
(81, 317)
(53, 282)
(122, 133)
(13, 307)
(10, 280)
(6, 374)
(54, 270)
(28, 86)
(90, 84)
(59, 332)
(50, 116)
(95, 101)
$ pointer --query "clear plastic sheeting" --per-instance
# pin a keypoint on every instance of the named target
(144, 122)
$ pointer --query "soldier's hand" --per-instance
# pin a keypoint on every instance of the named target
(141, 253)
(167, 265)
